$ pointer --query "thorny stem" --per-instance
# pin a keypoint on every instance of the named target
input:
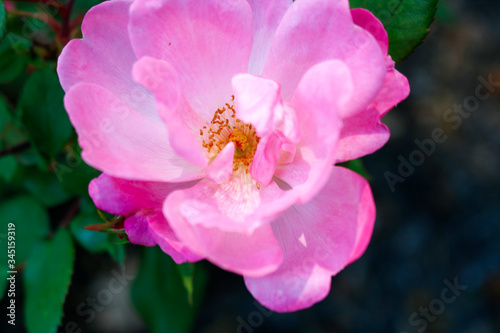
(107, 227)
(15, 149)
(119, 232)
(54, 25)
(65, 13)
(75, 207)
(65, 27)
(76, 22)
(70, 214)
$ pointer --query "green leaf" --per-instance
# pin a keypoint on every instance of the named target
(43, 113)
(159, 295)
(186, 270)
(31, 223)
(357, 166)
(406, 22)
(82, 6)
(8, 167)
(91, 241)
(8, 164)
(45, 187)
(116, 248)
(16, 41)
(11, 65)
(12, 134)
(5, 116)
(46, 282)
(74, 174)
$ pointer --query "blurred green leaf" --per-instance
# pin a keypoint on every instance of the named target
(357, 166)
(30, 27)
(45, 187)
(74, 174)
(12, 134)
(31, 156)
(186, 270)
(5, 116)
(8, 164)
(406, 22)
(31, 227)
(82, 6)
(93, 241)
(32, 224)
(12, 64)
(16, 42)
(159, 295)
(8, 167)
(12, 173)
(3, 19)
(14, 55)
(46, 282)
(43, 112)
(116, 248)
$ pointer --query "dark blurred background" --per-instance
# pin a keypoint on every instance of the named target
(436, 227)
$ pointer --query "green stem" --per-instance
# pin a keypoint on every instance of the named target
(107, 226)
(119, 232)
(75, 207)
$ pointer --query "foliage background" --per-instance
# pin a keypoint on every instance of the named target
(442, 223)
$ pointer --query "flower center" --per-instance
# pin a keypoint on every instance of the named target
(225, 128)
(240, 141)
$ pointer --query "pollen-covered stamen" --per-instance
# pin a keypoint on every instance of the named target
(224, 128)
(240, 141)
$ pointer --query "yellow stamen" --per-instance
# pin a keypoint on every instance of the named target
(224, 128)
(239, 138)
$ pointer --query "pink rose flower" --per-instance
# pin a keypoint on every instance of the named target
(217, 125)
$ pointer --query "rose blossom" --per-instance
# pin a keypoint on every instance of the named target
(217, 125)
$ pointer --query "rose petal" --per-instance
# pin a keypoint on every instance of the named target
(121, 142)
(361, 134)
(318, 30)
(105, 57)
(266, 17)
(221, 167)
(237, 205)
(258, 102)
(317, 101)
(184, 125)
(149, 227)
(207, 42)
(319, 239)
(395, 87)
(125, 197)
(366, 20)
(266, 158)
(254, 254)
(137, 228)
